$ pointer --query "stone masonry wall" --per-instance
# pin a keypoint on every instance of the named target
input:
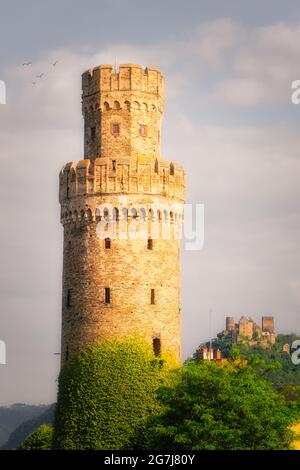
(121, 170)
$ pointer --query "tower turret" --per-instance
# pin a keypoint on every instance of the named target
(122, 111)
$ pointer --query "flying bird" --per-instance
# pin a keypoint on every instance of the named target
(54, 63)
(26, 63)
(40, 76)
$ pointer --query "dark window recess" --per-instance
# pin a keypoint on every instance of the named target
(107, 243)
(68, 192)
(114, 165)
(69, 245)
(93, 132)
(150, 244)
(107, 295)
(67, 353)
(116, 129)
(156, 346)
(69, 297)
(152, 296)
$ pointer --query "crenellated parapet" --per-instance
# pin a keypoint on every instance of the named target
(122, 176)
(129, 77)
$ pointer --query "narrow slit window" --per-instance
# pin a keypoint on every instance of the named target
(152, 299)
(156, 346)
(107, 243)
(114, 165)
(69, 298)
(67, 353)
(93, 132)
(107, 295)
(150, 244)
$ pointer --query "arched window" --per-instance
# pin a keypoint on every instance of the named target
(106, 106)
(117, 105)
(172, 169)
(107, 243)
(156, 166)
(150, 244)
(98, 215)
(133, 213)
(115, 213)
(156, 346)
(89, 215)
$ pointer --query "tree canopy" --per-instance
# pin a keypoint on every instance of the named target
(210, 406)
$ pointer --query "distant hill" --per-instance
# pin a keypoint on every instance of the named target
(18, 436)
(287, 374)
(13, 416)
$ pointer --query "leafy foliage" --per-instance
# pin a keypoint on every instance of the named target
(41, 439)
(106, 394)
(219, 407)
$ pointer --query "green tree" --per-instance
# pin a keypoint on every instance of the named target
(219, 407)
(41, 439)
(106, 394)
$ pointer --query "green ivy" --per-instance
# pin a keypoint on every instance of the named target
(106, 394)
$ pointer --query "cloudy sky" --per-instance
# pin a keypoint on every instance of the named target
(228, 119)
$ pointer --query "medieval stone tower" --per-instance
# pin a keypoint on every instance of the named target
(129, 283)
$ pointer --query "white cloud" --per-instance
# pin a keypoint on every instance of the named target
(261, 67)
(211, 39)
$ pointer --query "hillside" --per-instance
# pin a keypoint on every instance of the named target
(13, 416)
(18, 436)
(281, 370)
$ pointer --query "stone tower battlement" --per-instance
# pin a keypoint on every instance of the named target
(118, 285)
(103, 176)
(130, 77)
(122, 111)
